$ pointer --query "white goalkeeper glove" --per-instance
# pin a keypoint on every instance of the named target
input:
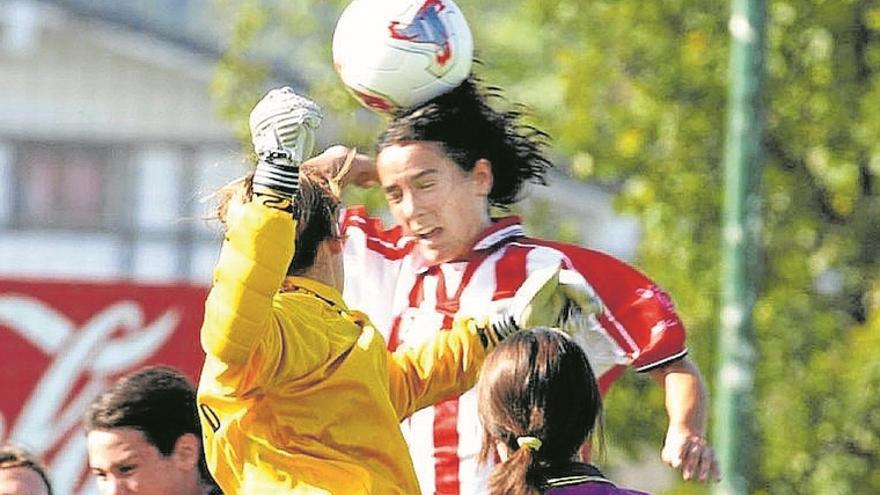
(283, 127)
(549, 297)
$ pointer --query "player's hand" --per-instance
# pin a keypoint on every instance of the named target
(548, 297)
(283, 132)
(285, 121)
(342, 166)
(692, 454)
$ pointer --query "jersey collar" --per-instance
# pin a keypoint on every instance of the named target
(499, 231)
(575, 474)
(320, 289)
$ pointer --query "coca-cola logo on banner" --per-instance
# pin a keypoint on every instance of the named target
(62, 343)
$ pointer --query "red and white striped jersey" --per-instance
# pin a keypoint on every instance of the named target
(409, 301)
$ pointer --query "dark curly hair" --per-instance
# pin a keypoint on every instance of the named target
(469, 129)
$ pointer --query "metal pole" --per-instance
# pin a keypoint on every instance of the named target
(733, 405)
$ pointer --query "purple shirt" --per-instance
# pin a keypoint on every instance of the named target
(592, 488)
(584, 479)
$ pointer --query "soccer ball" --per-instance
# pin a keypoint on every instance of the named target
(396, 54)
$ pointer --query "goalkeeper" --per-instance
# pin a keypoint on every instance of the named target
(298, 393)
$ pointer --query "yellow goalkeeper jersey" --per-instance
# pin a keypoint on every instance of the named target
(298, 394)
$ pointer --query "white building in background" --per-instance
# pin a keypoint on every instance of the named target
(107, 139)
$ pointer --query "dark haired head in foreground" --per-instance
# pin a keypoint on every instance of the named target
(539, 403)
(144, 436)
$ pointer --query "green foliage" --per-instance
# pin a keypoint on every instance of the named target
(237, 76)
(633, 93)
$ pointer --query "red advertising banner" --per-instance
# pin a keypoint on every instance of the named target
(62, 343)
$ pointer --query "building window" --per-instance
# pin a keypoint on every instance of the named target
(66, 186)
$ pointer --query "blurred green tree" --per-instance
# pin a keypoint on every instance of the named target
(633, 93)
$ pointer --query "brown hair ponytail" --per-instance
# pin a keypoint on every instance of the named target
(536, 389)
(520, 474)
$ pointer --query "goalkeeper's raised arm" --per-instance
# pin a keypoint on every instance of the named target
(258, 251)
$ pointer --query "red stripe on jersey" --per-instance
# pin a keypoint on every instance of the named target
(446, 461)
(357, 216)
(388, 251)
(447, 306)
(635, 303)
(450, 306)
(446, 448)
(447, 321)
(510, 271)
(415, 299)
(378, 239)
(612, 328)
(394, 334)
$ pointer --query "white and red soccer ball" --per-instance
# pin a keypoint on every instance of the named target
(396, 54)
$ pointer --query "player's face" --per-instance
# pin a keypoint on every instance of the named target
(124, 462)
(21, 481)
(433, 199)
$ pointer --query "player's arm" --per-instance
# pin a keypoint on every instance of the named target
(343, 166)
(260, 233)
(686, 447)
(653, 322)
(443, 367)
(449, 364)
(641, 318)
(250, 270)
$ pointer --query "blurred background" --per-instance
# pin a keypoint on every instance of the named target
(118, 120)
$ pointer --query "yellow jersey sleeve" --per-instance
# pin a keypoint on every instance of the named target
(243, 333)
(446, 366)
